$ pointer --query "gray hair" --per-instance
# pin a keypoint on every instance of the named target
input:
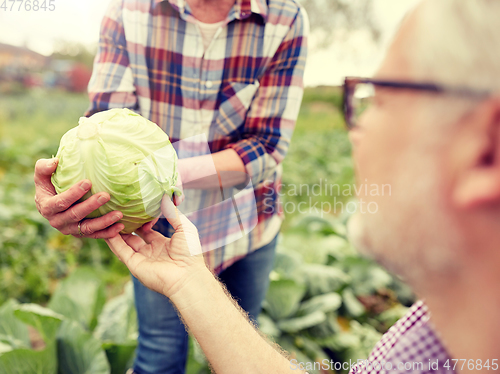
(457, 42)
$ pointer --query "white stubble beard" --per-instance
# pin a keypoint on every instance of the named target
(411, 234)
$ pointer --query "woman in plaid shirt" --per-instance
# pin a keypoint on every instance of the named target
(427, 124)
(224, 80)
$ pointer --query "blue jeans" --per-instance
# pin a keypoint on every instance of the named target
(163, 340)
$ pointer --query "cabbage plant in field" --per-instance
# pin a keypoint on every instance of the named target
(125, 155)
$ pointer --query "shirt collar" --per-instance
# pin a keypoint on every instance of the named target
(242, 8)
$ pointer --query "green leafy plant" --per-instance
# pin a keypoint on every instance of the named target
(79, 333)
(33, 255)
(328, 302)
(124, 154)
(325, 302)
(315, 263)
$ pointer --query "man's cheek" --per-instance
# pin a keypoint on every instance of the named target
(359, 149)
(366, 166)
(372, 156)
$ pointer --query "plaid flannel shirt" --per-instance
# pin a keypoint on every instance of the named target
(243, 92)
(410, 346)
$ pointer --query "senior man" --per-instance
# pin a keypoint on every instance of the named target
(429, 125)
(225, 78)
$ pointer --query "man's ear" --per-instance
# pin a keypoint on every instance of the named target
(478, 179)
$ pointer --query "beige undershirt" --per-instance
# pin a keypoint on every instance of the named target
(208, 31)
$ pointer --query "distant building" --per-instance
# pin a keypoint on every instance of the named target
(21, 58)
(22, 68)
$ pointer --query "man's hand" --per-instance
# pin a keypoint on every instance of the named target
(162, 264)
(175, 268)
(62, 212)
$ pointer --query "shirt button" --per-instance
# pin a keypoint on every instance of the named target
(209, 84)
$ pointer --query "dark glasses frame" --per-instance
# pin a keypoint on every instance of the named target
(350, 83)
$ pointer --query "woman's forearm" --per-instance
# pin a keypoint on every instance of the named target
(220, 169)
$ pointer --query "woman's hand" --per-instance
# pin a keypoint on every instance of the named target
(162, 264)
(64, 214)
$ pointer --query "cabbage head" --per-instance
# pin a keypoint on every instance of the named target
(123, 154)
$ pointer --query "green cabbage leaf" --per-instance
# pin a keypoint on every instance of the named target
(125, 155)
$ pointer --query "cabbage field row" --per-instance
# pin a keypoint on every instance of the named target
(324, 300)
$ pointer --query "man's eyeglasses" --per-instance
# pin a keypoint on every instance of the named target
(359, 93)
